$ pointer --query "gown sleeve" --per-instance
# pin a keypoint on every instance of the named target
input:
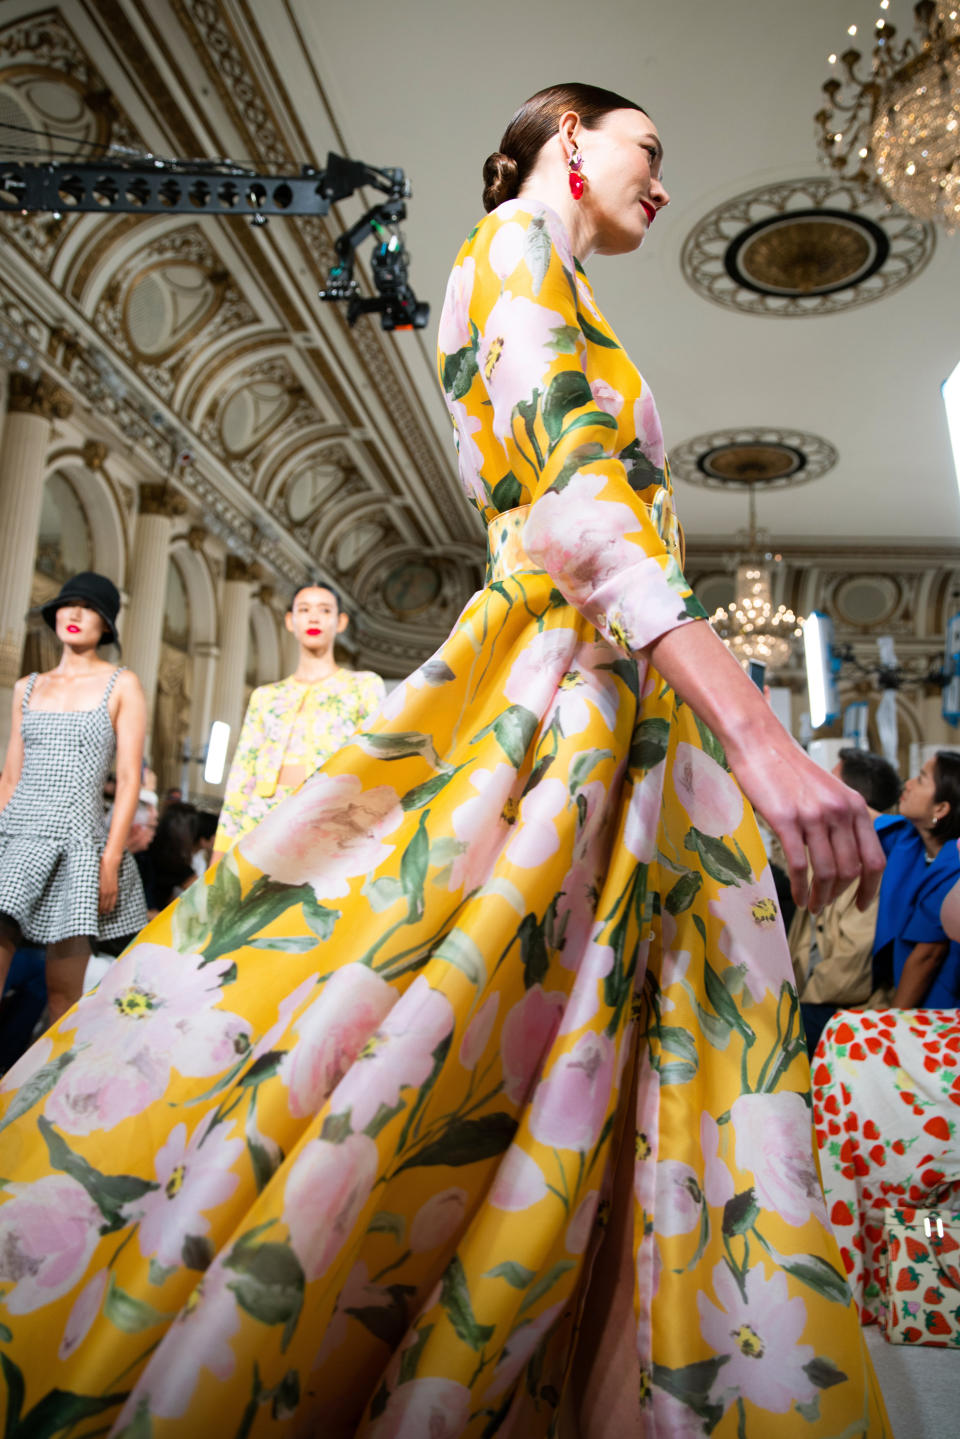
(587, 527)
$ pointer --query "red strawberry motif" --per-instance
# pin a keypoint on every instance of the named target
(851, 1124)
(907, 1095)
(912, 1334)
(890, 1057)
(870, 1130)
(833, 1127)
(938, 1127)
(821, 1075)
(930, 1065)
(867, 1023)
(847, 1258)
(907, 1279)
(947, 1244)
(915, 1250)
(932, 1295)
(874, 1043)
(844, 1092)
(878, 1154)
(843, 1033)
(937, 1323)
(840, 1213)
(898, 1147)
(885, 1017)
(860, 1165)
(856, 1051)
(858, 1242)
(932, 1177)
(832, 1105)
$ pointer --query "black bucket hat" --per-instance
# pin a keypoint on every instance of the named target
(97, 593)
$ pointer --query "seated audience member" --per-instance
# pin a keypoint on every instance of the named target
(832, 951)
(203, 848)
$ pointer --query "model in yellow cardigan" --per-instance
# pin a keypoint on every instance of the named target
(293, 725)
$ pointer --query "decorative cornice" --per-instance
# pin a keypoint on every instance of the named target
(38, 396)
(94, 454)
(242, 571)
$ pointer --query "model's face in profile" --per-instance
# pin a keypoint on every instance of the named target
(917, 802)
(315, 618)
(622, 165)
(79, 625)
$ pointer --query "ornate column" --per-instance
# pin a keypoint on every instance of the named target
(33, 405)
(234, 628)
(205, 658)
(142, 629)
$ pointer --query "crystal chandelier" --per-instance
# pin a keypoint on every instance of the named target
(898, 125)
(750, 626)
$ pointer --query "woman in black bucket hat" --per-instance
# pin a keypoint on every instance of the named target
(64, 876)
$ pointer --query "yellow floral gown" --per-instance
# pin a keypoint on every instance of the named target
(327, 1152)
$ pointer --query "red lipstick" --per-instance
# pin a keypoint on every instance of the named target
(649, 211)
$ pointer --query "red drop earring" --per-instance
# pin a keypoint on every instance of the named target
(575, 165)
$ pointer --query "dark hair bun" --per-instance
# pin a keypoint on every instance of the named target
(501, 180)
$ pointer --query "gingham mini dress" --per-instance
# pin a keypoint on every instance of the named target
(53, 829)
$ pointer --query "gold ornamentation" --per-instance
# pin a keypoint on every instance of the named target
(746, 459)
(806, 256)
(94, 454)
(162, 500)
(41, 396)
(196, 537)
(245, 571)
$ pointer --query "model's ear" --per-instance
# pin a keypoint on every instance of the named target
(288, 621)
(343, 619)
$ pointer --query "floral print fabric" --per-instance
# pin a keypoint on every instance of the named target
(290, 722)
(378, 1062)
(887, 1110)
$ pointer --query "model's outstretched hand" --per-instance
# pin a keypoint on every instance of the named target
(823, 826)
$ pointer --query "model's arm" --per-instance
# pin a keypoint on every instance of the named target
(919, 972)
(13, 763)
(242, 779)
(810, 812)
(130, 724)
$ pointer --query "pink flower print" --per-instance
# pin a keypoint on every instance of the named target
(679, 1198)
(571, 1103)
(83, 1313)
(517, 350)
(438, 1220)
(753, 938)
(586, 687)
(428, 1408)
(580, 540)
(454, 331)
(286, 1009)
(646, 422)
(576, 912)
(469, 453)
(641, 827)
(48, 1231)
(326, 834)
(357, 1293)
(199, 1339)
(675, 962)
(519, 1182)
(326, 1191)
(608, 399)
(506, 249)
(717, 1180)
(559, 238)
(477, 1034)
(519, 1350)
(671, 1416)
(711, 797)
(27, 1065)
(482, 826)
(99, 1090)
(581, 1225)
(194, 1177)
(527, 1033)
(397, 1056)
(536, 673)
(775, 1144)
(587, 302)
(535, 838)
(758, 1336)
(594, 966)
(332, 1030)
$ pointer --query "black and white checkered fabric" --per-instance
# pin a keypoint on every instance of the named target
(53, 830)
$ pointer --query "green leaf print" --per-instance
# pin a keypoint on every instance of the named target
(720, 861)
(37, 1086)
(263, 1161)
(680, 1072)
(515, 1274)
(817, 1274)
(465, 1141)
(16, 1390)
(709, 743)
(381, 893)
(109, 1192)
(595, 336)
(411, 1358)
(678, 1041)
(197, 1253)
(537, 251)
(413, 869)
(386, 1222)
(459, 371)
(506, 494)
(649, 746)
(160, 1273)
(437, 672)
(724, 1003)
(683, 893)
(405, 745)
(514, 731)
(740, 1213)
(823, 1372)
(463, 953)
(285, 943)
(564, 340)
(546, 1283)
(582, 455)
(422, 794)
(286, 1396)
(570, 390)
(594, 419)
(60, 1410)
(584, 765)
(268, 1282)
(388, 1322)
(130, 1314)
(320, 919)
(641, 471)
(455, 1300)
(692, 1384)
(536, 961)
(336, 1128)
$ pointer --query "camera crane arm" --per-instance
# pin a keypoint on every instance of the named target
(151, 186)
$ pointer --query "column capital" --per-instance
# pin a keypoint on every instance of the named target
(41, 396)
(95, 454)
(242, 570)
(196, 536)
(265, 594)
(161, 500)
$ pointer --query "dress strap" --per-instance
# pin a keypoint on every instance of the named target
(28, 692)
(111, 682)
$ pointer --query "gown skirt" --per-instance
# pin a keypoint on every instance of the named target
(329, 1150)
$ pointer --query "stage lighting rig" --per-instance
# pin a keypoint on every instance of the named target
(150, 185)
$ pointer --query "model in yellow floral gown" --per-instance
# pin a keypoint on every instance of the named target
(327, 1151)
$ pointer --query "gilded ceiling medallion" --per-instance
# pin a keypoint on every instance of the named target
(752, 459)
(804, 247)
